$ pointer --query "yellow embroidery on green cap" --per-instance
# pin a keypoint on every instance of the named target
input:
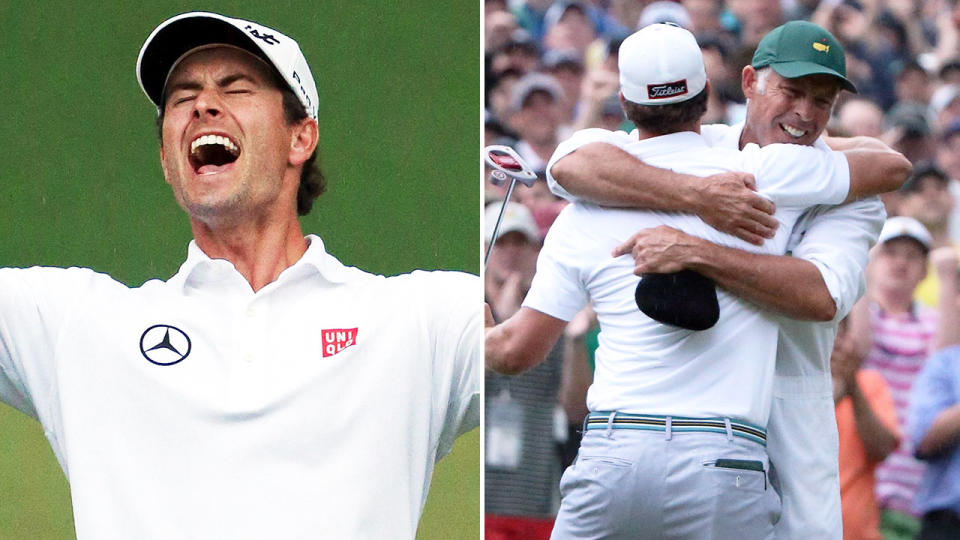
(821, 47)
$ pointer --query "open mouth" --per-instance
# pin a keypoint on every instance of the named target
(211, 154)
(792, 131)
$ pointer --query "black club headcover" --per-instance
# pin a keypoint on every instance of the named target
(686, 299)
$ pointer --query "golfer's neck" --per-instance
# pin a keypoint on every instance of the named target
(260, 251)
(693, 126)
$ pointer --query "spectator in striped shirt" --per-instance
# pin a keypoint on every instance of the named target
(903, 336)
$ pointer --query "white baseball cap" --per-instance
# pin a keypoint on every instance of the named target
(661, 64)
(516, 218)
(178, 36)
(905, 227)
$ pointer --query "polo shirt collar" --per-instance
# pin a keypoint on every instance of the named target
(670, 141)
(199, 267)
(326, 265)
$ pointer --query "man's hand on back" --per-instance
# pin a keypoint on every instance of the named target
(729, 203)
(660, 250)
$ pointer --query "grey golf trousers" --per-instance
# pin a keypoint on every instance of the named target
(635, 484)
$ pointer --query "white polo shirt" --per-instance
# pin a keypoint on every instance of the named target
(196, 408)
(646, 367)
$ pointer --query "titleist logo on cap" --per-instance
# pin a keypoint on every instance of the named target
(666, 90)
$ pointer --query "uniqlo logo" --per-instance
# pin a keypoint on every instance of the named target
(337, 339)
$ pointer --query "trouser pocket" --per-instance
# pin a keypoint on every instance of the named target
(745, 474)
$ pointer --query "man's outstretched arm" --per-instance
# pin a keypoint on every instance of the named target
(520, 342)
(603, 173)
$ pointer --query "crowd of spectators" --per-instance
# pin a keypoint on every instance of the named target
(551, 69)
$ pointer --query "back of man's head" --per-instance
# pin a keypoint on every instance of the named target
(663, 82)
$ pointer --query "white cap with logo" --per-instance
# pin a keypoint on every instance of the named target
(661, 64)
(178, 36)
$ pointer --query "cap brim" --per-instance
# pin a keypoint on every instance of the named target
(181, 34)
(918, 241)
(792, 70)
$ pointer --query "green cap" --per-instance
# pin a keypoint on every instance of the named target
(801, 48)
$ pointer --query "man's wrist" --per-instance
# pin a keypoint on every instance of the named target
(691, 199)
(698, 255)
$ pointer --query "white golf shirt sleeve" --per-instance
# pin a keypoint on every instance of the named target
(34, 304)
(453, 307)
(579, 139)
(798, 176)
(558, 286)
(837, 240)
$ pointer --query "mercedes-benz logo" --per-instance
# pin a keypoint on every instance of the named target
(164, 345)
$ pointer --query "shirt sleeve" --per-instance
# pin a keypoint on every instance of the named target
(456, 315)
(557, 288)
(577, 140)
(34, 305)
(837, 240)
(797, 176)
(933, 391)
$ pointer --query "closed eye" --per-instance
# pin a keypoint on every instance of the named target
(790, 92)
(183, 99)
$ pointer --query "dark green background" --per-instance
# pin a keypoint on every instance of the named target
(80, 180)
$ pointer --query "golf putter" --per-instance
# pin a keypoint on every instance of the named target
(506, 164)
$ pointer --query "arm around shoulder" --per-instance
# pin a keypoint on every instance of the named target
(605, 174)
(791, 286)
(875, 170)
